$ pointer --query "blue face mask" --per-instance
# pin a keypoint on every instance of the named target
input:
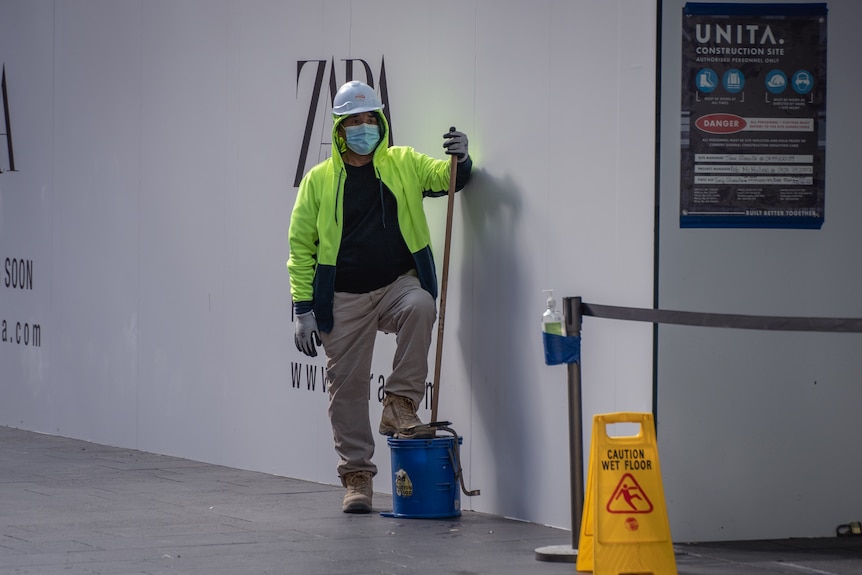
(363, 138)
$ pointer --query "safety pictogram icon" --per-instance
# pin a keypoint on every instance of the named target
(629, 497)
(624, 528)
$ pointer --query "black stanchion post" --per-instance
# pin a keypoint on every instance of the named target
(572, 315)
(569, 553)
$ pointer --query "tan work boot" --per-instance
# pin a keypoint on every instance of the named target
(399, 416)
(359, 492)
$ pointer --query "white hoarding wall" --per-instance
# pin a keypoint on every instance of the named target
(755, 427)
(145, 199)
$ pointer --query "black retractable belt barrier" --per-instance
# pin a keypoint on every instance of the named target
(736, 321)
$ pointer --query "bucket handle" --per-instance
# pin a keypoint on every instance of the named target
(455, 459)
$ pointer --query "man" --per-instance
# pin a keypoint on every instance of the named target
(361, 262)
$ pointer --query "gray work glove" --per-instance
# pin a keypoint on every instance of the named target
(456, 144)
(306, 334)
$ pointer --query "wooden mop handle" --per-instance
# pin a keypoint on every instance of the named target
(444, 283)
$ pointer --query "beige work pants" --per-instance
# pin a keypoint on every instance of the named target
(403, 308)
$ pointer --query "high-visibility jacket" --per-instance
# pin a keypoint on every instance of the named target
(317, 221)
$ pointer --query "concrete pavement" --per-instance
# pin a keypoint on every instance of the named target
(78, 508)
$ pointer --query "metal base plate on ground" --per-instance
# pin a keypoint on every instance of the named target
(557, 554)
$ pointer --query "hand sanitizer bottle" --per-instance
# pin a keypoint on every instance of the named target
(552, 319)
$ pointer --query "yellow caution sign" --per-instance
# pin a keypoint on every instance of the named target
(624, 528)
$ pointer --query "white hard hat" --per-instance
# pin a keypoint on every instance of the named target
(355, 97)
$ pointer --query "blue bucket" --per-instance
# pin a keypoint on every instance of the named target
(424, 480)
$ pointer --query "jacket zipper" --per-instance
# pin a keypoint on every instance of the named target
(382, 204)
(338, 194)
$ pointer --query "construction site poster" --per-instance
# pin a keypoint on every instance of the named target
(753, 117)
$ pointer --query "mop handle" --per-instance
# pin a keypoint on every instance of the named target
(444, 284)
